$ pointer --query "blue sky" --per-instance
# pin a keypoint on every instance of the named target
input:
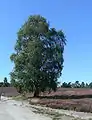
(74, 17)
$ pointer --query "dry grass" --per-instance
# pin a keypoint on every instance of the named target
(82, 105)
(76, 99)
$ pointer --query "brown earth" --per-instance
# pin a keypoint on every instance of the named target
(8, 91)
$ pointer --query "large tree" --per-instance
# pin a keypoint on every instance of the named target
(38, 56)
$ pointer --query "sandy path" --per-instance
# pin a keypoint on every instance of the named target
(17, 110)
(13, 110)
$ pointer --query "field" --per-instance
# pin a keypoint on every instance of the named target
(78, 99)
(70, 92)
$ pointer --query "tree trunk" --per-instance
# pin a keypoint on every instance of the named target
(36, 93)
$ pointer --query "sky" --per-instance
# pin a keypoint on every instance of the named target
(74, 17)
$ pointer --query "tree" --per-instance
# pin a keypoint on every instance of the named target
(77, 84)
(17, 84)
(87, 85)
(1, 84)
(38, 56)
(69, 85)
(5, 80)
(64, 85)
(82, 85)
(5, 83)
(90, 85)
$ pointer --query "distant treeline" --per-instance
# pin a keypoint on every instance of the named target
(77, 84)
(5, 83)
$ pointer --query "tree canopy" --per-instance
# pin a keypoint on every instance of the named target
(38, 58)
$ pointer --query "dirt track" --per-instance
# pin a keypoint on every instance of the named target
(13, 110)
(17, 110)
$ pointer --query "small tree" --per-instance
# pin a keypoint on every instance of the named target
(87, 85)
(82, 85)
(69, 85)
(1, 84)
(77, 84)
(5, 83)
(64, 85)
(90, 85)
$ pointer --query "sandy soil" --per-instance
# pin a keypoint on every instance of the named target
(18, 110)
(13, 110)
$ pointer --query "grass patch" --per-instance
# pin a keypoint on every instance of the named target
(57, 116)
(19, 98)
(54, 115)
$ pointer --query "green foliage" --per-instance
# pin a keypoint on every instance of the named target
(1, 84)
(82, 85)
(77, 84)
(38, 56)
(6, 83)
(87, 85)
(66, 85)
(90, 85)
